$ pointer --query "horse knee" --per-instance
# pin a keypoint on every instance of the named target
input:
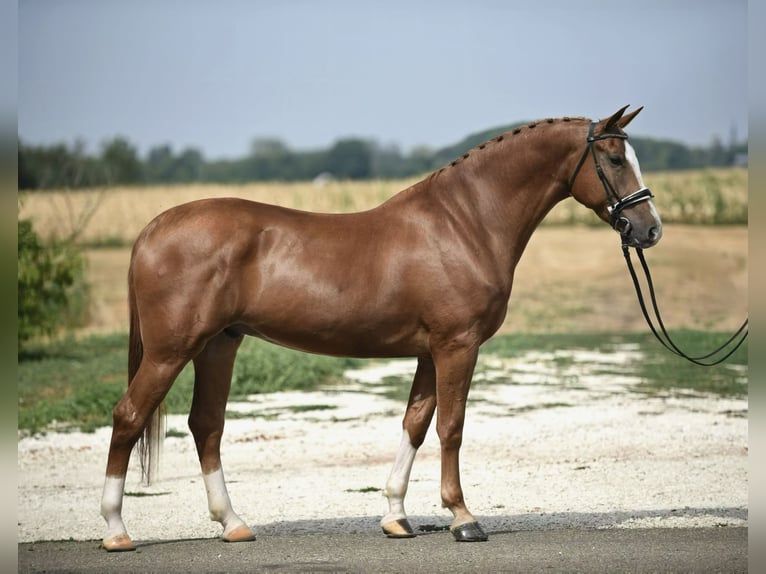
(207, 438)
(199, 426)
(450, 436)
(127, 424)
(416, 430)
(417, 419)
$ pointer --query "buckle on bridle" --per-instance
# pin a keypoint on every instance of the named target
(629, 200)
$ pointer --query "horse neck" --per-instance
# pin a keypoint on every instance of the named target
(507, 185)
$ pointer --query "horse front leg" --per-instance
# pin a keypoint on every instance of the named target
(454, 369)
(417, 419)
(212, 381)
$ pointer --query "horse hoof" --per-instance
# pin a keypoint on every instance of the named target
(469, 532)
(399, 529)
(240, 534)
(118, 543)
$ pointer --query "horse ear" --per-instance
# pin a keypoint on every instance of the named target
(615, 118)
(625, 120)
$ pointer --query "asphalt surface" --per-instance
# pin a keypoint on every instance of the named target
(696, 550)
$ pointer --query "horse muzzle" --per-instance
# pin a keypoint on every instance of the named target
(642, 239)
(643, 227)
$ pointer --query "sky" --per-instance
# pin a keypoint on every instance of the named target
(218, 75)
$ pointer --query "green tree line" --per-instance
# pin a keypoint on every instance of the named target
(118, 161)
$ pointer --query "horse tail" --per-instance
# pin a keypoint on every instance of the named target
(150, 442)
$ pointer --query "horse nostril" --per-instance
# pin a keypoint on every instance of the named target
(654, 233)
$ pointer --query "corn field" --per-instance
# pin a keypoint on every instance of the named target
(114, 216)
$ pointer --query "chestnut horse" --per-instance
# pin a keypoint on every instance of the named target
(426, 274)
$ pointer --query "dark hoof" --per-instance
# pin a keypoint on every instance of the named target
(469, 532)
(399, 529)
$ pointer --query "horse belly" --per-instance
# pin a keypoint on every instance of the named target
(323, 317)
(331, 330)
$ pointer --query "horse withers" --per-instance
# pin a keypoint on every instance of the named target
(426, 274)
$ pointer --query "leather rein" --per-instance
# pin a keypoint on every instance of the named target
(616, 205)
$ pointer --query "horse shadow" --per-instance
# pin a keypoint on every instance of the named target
(432, 525)
(425, 525)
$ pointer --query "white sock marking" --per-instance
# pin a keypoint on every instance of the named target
(219, 503)
(396, 487)
(111, 505)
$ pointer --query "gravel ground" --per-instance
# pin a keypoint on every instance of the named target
(555, 449)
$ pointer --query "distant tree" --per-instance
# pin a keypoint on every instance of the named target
(387, 161)
(189, 165)
(28, 169)
(58, 166)
(159, 165)
(311, 164)
(271, 159)
(656, 155)
(420, 160)
(65, 166)
(718, 154)
(121, 162)
(350, 158)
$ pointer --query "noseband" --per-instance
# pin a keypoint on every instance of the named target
(615, 203)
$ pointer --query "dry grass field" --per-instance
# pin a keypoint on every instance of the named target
(715, 196)
(572, 277)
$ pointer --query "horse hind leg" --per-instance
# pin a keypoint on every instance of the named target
(212, 380)
(130, 417)
(417, 418)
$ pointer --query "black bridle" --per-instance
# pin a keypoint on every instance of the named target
(616, 205)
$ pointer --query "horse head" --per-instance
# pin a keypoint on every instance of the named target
(611, 184)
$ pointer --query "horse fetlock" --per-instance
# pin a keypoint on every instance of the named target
(393, 516)
(462, 518)
(395, 491)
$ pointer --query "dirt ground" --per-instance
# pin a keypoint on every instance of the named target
(568, 443)
(569, 279)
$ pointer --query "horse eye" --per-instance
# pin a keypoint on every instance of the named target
(615, 160)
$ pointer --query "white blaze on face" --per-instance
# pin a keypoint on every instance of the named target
(630, 155)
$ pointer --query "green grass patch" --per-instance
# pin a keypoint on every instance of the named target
(365, 489)
(659, 370)
(529, 408)
(145, 494)
(262, 367)
(663, 372)
(394, 387)
(309, 408)
(71, 382)
(76, 383)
